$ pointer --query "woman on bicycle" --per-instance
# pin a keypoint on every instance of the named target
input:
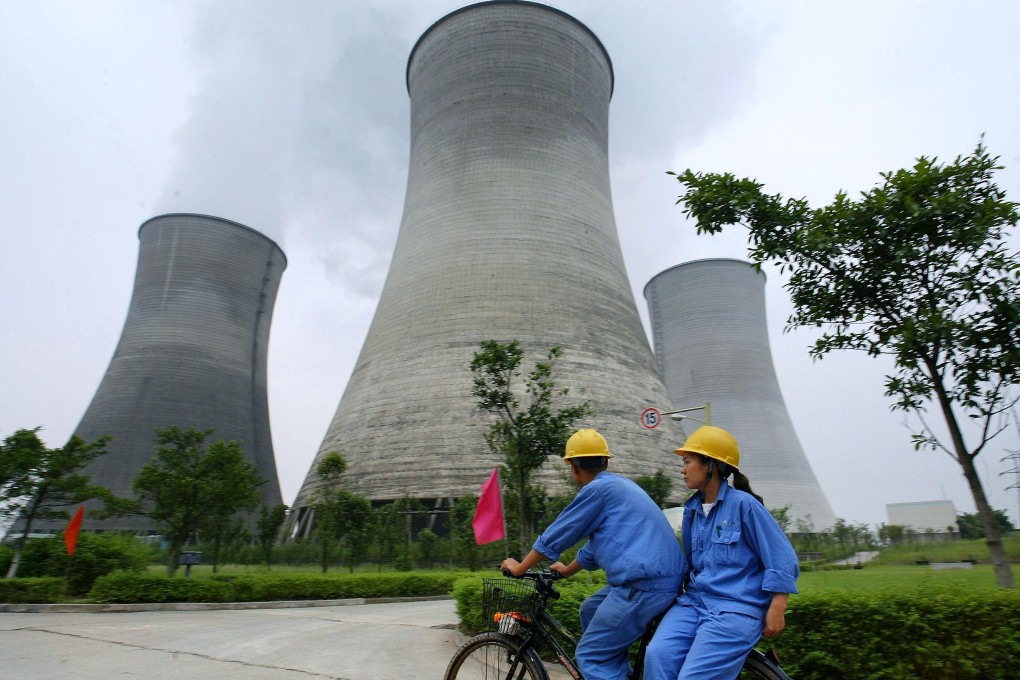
(629, 537)
(742, 569)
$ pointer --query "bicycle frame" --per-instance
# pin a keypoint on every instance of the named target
(540, 630)
(550, 632)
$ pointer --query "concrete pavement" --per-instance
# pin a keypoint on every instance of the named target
(390, 641)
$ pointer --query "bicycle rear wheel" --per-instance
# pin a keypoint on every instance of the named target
(489, 656)
(758, 667)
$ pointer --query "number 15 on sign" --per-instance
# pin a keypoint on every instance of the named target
(651, 417)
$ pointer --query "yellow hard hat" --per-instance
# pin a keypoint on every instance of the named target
(586, 443)
(713, 442)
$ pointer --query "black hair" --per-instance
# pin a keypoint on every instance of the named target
(740, 480)
(590, 463)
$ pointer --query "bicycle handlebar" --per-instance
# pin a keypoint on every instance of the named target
(543, 579)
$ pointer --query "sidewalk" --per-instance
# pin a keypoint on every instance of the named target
(859, 558)
(363, 642)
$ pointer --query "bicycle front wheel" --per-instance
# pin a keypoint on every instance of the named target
(490, 656)
(758, 667)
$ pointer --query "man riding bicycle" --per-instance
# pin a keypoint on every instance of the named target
(629, 537)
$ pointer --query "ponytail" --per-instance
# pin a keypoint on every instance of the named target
(741, 483)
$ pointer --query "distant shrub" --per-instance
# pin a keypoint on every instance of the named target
(94, 556)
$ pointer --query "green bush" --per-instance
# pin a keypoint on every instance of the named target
(125, 587)
(134, 587)
(468, 595)
(47, 590)
(94, 556)
(928, 632)
(6, 555)
(403, 563)
(931, 632)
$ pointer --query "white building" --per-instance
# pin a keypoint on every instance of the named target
(938, 517)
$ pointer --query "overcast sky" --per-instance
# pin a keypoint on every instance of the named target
(292, 118)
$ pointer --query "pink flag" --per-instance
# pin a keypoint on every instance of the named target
(71, 533)
(488, 522)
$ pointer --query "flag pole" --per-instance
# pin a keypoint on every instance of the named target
(71, 538)
(506, 541)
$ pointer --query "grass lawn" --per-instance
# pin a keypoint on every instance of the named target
(897, 577)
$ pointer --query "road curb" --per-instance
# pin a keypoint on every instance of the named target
(30, 608)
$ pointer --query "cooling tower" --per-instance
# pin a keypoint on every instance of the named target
(507, 233)
(192, 352)
(712, 345)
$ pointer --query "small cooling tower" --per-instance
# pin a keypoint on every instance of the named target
(192, 352)
(712, 346)
(507, 233)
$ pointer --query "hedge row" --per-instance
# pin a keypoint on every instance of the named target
(129, 587)
(929, 632)
(31, 590)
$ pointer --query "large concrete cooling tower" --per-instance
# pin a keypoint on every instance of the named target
(507, 233)
(712, 345)
(192, 352)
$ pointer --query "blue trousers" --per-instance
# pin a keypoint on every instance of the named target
(693, 642)
(612, 619)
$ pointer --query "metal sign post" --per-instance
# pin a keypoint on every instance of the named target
(651, 416)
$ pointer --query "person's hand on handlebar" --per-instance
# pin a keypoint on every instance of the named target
(515, 568)
(566, 570)
(512, 567)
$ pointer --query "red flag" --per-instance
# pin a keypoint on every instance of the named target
(71, 533)
(488, 522)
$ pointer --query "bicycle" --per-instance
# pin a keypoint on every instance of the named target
(518, 610)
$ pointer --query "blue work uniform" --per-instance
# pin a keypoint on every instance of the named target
(739, 558)
(631, 539)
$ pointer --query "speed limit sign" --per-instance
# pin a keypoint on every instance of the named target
(651, 417)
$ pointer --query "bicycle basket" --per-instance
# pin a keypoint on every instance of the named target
(507, 604)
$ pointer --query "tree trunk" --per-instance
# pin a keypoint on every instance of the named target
(522, 502)
(216, 552)
(993, 537)
(1003, 573)
(324, 558)
(175, 557)
(12, 571)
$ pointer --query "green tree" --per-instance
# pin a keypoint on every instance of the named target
(188, 481)
(406, 509)
(343, 519)
(39, 483)
(782, 517)
(330, 472)
(891, 534)
(354, 524)
(658, 486)
(842, 533)
(390, 534)
(524, 435)
(917, 269)
(972, 527)
(462, 532)
(268, 529)
(427, 543)
(219, 530)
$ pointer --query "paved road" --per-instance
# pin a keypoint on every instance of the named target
(362, 642)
